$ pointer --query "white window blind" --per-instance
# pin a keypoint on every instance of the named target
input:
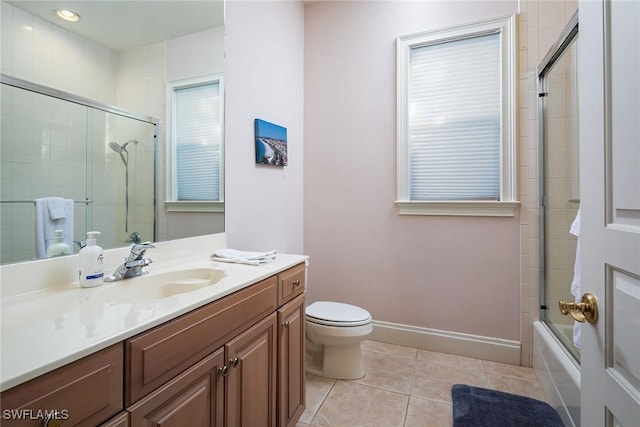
(197, 123)
(454, 129)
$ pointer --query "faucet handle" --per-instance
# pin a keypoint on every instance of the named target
(138, 249)
(134, 238)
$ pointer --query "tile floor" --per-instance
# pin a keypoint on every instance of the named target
(407, 387)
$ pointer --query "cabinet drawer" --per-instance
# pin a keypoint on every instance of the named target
(154, 357)
(291, 283)
(85, 393)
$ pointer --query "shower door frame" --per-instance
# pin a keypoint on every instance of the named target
(568, 35)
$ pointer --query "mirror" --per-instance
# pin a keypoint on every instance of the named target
(119, 58)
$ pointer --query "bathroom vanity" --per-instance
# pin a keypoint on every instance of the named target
(230, 353)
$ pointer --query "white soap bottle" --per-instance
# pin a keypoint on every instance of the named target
(90, 259)
(58, 247)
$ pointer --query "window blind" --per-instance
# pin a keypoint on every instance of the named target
(197, 132)
(455, 120)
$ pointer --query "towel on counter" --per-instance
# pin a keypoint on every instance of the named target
(576, 283)
(243, 257)
(46, 225)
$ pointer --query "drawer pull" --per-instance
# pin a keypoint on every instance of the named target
(224, 371)
(54, 419)
(234, 362)
(296, 283)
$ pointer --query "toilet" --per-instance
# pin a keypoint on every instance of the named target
(334, 331)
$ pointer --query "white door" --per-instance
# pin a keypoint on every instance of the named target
(609, 84)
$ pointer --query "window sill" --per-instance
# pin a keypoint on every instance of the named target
(193, 206)
(458, 208)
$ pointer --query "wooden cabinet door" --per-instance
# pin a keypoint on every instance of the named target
(194, 398)
(251, 378)
(291, 370)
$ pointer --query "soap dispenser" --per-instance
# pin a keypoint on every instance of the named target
(90, 259)
(58, 247)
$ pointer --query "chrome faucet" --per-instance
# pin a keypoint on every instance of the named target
(133, 264)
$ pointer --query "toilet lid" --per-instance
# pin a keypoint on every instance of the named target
(337, 314)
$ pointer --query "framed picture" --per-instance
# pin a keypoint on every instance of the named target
(271, 143)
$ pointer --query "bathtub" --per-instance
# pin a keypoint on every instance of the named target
(558, 372)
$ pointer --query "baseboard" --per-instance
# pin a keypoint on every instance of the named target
(477, 346)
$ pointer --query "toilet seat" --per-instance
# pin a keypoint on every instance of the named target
(337, 314)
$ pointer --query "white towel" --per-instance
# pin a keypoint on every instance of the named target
(55, 205)
(576, 283)
(243, 257)
(46, 227)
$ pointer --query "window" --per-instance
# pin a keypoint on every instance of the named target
(195, 153)
(456, 112)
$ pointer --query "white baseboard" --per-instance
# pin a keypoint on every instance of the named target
(476, 346)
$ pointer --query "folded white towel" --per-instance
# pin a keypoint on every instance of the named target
(55, 205)
(243, 257)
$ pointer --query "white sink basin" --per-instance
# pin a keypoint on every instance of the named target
(154, 286)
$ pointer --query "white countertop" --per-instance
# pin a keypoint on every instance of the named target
(48, 328)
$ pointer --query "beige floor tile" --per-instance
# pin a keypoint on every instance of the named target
(388, 372)
(518, 386)
(355, 405)
(380, 398)
(431, 389)
(505, 370)
(452, 374)
(428, 413)
(433, 381)
(460, 362)
(317, 390)
(392, 349)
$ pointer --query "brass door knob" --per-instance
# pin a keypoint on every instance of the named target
(584, 311)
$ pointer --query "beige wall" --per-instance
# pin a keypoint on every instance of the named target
(264, 42)
(456, 274)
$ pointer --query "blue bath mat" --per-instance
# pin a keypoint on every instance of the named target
(481, 407)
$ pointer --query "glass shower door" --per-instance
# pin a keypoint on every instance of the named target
(559, 178)
(122, 182)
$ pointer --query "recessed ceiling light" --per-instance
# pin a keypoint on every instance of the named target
(67, 15)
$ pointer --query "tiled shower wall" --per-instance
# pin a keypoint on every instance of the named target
(540, 25)
(43, 153)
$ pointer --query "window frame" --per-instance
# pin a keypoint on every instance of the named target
(171, 202)
(506, 206)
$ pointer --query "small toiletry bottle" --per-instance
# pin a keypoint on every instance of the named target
(58, 247)
(90, 258)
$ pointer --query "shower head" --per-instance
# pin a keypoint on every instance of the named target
(122, 149)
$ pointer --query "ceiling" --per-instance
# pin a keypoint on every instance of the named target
(122, 24)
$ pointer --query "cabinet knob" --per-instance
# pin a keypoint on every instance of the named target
(296, 283)
(285, 324)
(223, 371)
(234, 362)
